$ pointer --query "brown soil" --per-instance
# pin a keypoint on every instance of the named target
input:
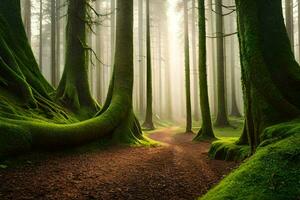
(179, 170)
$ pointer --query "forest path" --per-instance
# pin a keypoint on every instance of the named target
(180, 169)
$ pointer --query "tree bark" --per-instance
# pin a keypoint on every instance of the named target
(187, 69)
(27, 19)
(221, 119)
(148, 124)
(73, 90)
(53, 44)
(141, 56)
(234, 107)
(289, 20)
(195, 69)
(41, 36)
(270, 74)
(206, 130)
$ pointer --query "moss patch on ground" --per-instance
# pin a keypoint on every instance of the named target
(271, 173)
(227, 149)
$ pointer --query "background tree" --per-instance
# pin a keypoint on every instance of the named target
(196, 108)
(289, 20)
(148, 124)
(27, 18)
(187, 69)
(206, 130)
(221, 119)
(54, 78)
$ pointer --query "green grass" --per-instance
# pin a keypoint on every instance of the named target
(273, 172)
(233, 131)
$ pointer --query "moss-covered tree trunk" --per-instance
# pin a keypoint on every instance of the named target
(270, 74)
(73, 90)
(206, 130)
(21, 81)
(221, 118)
(187, 69)
(19, 72)
(148, 124)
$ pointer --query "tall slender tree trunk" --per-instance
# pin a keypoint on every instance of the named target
(289, 20)
(298, 31)
(141, 56)
(221, 119)
(168, 95)
(213, 57)
(195, 68)
(113, 31)
(234, 107)
(98, 53)
(270, 74)
(53, 44)
(187, 69)
(148, 124)
(58, 40)
(27, 19)
(206, 130)
(41, 18)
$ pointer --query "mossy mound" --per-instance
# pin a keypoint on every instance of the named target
(271, 173)
(227, 149)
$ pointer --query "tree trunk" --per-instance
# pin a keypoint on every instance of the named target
(298, 32)
(73, 90)
(195, 69)
(53, 44)
(187, 70)
(206, 130)
(58, 40)
(270, 74)
(148, 124)
(141, 56)
(234, 107)
(221, 119)
(211, 26)
(113, 31)
(118, 121)
(41, 36)
(289, 21)
(98, 53)
(27, 19)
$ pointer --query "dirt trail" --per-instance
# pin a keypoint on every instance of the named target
(178, 170)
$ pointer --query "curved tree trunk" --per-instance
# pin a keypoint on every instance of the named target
(117, 121)
(73, 90)
(270, 74)
(148, 124)
(206, 130)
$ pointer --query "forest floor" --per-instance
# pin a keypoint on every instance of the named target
(179, 169)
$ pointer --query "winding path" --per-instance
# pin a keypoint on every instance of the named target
(178, 170)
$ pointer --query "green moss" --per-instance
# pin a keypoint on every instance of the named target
(227, 149)
(13, 139)
(271, 173)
